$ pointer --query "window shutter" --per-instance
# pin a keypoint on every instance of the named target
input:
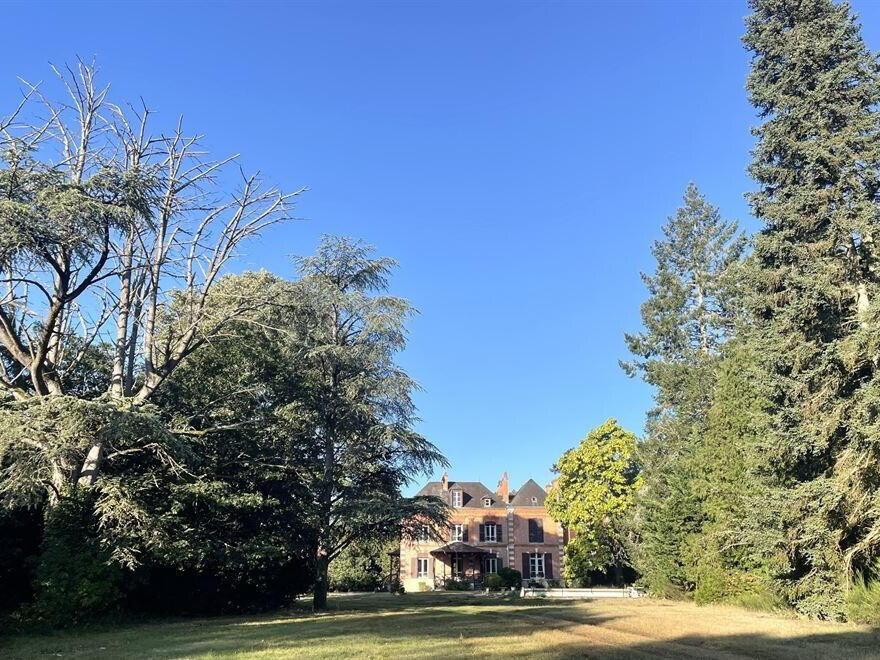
(415, 567)
(464, 532)
(452, 532)
(525, 572)
(548, 565)
(539, 531)
(498, 533)
(533, 532)
(482, 532)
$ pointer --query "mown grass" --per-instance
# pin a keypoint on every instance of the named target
(456, 625)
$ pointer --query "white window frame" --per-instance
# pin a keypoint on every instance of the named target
(491, 564)
(487, 501)
(536, 565)
(422, 567)
(457, 498)
(534, 501)
(457, 566)
(458, 532)
(493, 536)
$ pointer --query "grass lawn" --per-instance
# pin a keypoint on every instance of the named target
(454, 625)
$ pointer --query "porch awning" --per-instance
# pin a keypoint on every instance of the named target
(458, 548)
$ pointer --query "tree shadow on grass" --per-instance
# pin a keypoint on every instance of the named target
(409, 626)
(440, 625)
(852, 645)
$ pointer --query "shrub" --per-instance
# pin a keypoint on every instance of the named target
(863, 600)
(510, 577)
(457, 585)
(493, 582)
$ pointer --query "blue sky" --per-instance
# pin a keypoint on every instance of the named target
(516, 158)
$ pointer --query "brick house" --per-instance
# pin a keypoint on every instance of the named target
(488, 530)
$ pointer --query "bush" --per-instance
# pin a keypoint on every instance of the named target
(510, 577)
(493, 582)
(457, 585)
(863, 600)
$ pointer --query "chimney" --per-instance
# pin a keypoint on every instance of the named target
(445, 481)
(503, 489)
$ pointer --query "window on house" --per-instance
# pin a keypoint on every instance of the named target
(534, 501)
(492, 565)
(457, 566)
(458, 532)
(536, 530)
(424, 534)
(491, 535)
(456, 498)
(487, 501)
(422, 567)
(536, 565)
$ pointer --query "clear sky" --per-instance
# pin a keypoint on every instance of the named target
(516, 158)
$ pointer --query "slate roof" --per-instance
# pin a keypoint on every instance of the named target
(525, 494)
(473, 493)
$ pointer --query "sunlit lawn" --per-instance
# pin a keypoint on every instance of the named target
(451, 625)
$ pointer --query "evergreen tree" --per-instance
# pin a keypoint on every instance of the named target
(350, 427)
(728, 561)
(687, 318)
(814, 287)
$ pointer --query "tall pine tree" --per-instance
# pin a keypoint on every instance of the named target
(815, 290)
(687, 318)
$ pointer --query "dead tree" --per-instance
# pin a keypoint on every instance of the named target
(114, 236)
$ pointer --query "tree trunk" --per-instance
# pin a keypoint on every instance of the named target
(88, 475)
(322, 580)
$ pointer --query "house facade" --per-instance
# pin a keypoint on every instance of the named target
(488, 530)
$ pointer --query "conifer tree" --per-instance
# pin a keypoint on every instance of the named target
(687, 318)
(814, 288)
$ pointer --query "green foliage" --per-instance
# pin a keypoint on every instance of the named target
(814, 293)
(350, 425)
(510, 577)
(493, 582)
(364, 566)
(690, 313)
(453, 584)
(75, 578)
(595, 489)
(863, 599)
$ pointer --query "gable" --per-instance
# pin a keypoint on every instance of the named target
(529, 490)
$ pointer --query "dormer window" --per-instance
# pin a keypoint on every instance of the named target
(456, 498)
(534, 501)
(487, 501)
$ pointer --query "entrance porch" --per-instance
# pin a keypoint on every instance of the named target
(459, 561)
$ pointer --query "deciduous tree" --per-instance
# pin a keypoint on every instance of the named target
(592, 495)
